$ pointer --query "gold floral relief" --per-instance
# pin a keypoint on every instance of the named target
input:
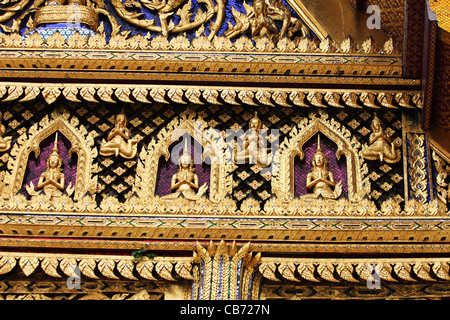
(81, 142)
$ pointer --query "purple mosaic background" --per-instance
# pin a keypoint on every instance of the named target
(36, 167)
(168, 169)
(302, 168)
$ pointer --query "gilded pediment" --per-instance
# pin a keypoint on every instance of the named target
(242, 23)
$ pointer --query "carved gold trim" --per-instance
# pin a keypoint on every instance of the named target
(266, 247)
(213, 145)
(417, 168)
(82, 144)
(213, 94)
(154, 206)
(274, 269)
(122, 41)
(343, 270)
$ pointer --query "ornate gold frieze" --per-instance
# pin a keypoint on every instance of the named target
(365, 230)
(343, 270)
(217, 264)
(391, 291)
(167, 94)
(57, 266)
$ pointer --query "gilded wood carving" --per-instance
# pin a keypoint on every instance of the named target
(119, 141)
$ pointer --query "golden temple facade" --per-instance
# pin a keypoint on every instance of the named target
(224, 149)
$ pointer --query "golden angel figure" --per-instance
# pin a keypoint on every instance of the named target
(320, 180)
(185, 182)
(119, 141)
(52, 180)
(380, 146)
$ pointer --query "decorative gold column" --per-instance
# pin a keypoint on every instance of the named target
(225, 273)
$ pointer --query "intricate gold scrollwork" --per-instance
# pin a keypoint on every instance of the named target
(81, 143)
(260, 19)
(165, 9)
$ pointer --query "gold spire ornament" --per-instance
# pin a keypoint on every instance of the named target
(320, 180)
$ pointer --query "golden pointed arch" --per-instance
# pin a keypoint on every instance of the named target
(348, 146)
(81, 143)
(213, 145)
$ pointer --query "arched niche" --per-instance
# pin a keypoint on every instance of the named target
(37, 162)
(345, 146)
(168, 168)
(158, 154)
(301, 167)
(79, 152)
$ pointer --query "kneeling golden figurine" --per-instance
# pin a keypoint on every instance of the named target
(380, 146)
(119, 141)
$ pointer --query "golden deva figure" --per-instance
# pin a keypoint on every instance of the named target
(261, 23)
(5, 142)
(185, 182)
(52, 180)
(253, 150)
(380, 146)
(119, 141)
(320, 179)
